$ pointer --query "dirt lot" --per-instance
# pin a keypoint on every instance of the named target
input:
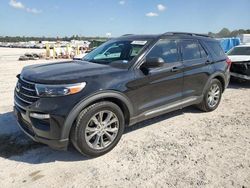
(186, 148)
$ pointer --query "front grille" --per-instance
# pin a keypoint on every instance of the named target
(241, 68)
(25, 93)
(26, 126)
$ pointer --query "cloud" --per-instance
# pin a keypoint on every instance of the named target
(19, 5)
(161, 7)
(16, 4)
(122, 2)
(152, 14)
(33, 10)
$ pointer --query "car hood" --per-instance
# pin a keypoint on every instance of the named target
(65, 72)
(239, 58)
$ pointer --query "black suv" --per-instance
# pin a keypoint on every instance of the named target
(124, 81)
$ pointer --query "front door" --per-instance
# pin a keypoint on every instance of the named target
(160, 86)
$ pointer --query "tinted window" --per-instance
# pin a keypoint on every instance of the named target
(166, 49)
(190, 50)
(240, 51)
(216, 50)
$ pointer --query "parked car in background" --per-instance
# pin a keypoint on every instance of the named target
(23, 58)
(90, 102)
(29, 56)
(240, 57)
(35, 56)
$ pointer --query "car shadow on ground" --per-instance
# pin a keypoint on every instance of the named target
(239, 84)
(16, 146)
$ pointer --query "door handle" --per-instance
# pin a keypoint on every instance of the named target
(208, 62)
(175, 69)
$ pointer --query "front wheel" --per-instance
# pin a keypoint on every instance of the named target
(212, 96)
(98, 129)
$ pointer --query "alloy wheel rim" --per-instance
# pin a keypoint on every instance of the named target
(213, 96)
(101, 130)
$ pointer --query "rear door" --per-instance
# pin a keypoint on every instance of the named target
(196, 67)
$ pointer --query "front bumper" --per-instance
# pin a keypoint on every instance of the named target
(37, 134)
(241, 76)
(240, 70)
(43, 118)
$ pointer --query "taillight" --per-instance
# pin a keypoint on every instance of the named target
(229, 62)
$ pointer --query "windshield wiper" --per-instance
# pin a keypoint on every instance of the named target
(97, 61)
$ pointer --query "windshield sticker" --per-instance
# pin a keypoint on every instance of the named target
(139, 42)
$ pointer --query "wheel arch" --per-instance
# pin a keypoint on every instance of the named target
(220, 76)
(116, 97)
(222, 81)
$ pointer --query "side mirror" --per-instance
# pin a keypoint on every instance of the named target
(153, 62)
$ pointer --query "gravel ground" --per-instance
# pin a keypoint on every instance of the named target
(185, 148)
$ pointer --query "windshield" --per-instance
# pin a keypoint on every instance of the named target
(119, 52)
(240, 51)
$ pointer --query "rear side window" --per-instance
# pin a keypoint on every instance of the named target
(190, 50)
(215, 50)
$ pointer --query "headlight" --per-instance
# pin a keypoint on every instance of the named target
(58, 90)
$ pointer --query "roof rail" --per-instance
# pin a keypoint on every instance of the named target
(186, 33)
(126, 35)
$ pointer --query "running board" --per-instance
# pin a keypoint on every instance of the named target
(170, 106)
(165, 109)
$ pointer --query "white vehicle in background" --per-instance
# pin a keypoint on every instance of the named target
(240, 57)
(244, 38)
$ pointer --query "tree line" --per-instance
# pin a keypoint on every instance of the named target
(221, 34)
(225, 33)
(26, 39)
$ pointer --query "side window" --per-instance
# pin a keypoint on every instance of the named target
(215, 50)
(190, 50)
(166, 49)
(203, 52)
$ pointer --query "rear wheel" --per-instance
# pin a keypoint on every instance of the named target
(98, 129)
(212, 96)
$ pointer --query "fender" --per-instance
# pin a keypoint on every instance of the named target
(212, 76)
(85, 102)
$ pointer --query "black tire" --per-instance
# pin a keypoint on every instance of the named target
(78, 132)
(204, 106)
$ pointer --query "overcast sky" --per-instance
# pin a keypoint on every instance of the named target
(99, 17)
